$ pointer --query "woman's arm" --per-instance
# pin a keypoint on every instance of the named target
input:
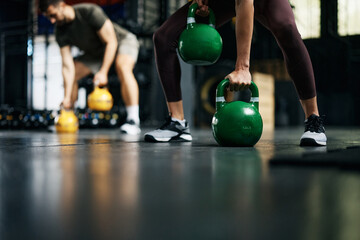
(240, 78)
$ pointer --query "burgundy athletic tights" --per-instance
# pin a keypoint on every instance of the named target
(275, 15)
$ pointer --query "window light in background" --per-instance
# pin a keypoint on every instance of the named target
(307, 17)
(348, 17)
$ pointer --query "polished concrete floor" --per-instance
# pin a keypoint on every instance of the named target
(98, 184)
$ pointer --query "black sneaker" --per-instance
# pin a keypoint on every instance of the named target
(171, 131)
(314, 134)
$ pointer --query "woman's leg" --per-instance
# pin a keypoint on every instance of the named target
(166, 43)
(167, 62)
(168, 66)
(277, 16)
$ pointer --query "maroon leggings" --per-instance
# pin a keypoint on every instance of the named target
(275, 15)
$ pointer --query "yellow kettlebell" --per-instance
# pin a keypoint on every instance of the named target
(66, 122)
(100, 99)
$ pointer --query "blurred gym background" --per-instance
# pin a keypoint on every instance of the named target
(31, 85)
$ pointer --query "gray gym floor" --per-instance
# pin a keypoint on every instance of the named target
(98, 184)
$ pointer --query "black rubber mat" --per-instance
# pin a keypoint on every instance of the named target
(343, 158)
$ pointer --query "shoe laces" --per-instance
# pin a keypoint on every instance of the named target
(166, 124)
(315, 124)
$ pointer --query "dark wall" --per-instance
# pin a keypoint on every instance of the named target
(13, 10)
(15, 27)
(334, 71)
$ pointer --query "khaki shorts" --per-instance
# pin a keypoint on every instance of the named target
(129, 45)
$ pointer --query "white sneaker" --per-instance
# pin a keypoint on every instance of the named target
(170, 131)
(130, 128)
(314, 134)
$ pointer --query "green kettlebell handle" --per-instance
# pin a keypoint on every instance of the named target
(191, 16)
(220, 99)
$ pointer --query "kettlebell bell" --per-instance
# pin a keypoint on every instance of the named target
(66, 122)
(237, 123)
(200, 44)
(100, 99)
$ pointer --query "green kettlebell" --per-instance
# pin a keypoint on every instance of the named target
(237, 123)
(200, 44)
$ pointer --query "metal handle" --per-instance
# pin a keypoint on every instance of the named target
(220, 99)
(191, 16)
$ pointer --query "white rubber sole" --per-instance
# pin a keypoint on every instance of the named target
(313, 139)
(181, 138)
(130, 129)
(311, 142)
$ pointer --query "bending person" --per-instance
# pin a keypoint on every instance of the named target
(275, 15)
(103, 42)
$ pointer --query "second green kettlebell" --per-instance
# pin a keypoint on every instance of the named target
(200, 44)
(237, 123)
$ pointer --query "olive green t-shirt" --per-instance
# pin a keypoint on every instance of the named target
(81, 32)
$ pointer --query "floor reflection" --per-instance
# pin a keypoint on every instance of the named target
(103, 185)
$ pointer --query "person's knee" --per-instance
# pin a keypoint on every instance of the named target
(161, 38)
(123, 69)
(285, 30)
(157, 38)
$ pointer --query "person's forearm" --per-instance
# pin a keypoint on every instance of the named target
(68, 71)
(109, 55)
(244, 30)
